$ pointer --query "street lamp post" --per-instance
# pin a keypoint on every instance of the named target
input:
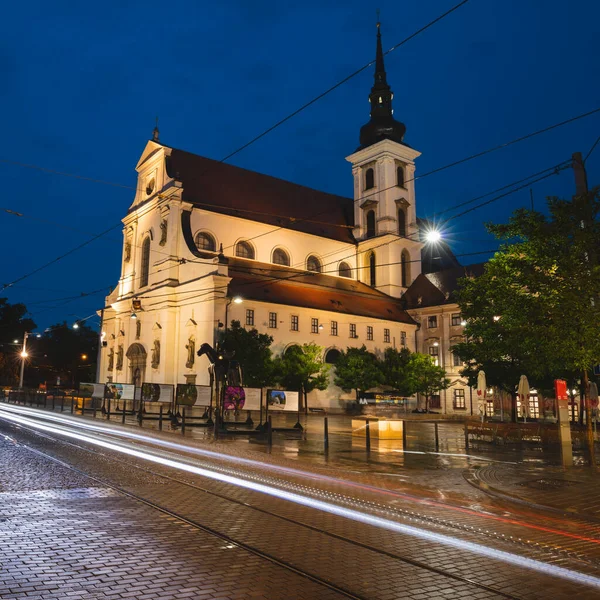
(23, 357)
(235, 300)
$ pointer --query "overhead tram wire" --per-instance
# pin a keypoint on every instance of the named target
(296, 274)
(293, 269)
(298, 221)
(504, 145)
(591, 149)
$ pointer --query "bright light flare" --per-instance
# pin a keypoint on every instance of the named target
(238, 300)
(24, 354)
(433, 236)
(380, 522)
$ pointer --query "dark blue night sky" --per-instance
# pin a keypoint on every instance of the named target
(83, 82)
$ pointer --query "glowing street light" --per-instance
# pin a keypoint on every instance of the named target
(75, 325)
(433, 236)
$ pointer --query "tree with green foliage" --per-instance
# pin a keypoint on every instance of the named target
(13, 325)
(426, 377)
(302, 368)
(358, 369)
(411, 373)
(253, 352)
(536, 308)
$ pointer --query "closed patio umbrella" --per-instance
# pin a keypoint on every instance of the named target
(523, 392)
(481, 391)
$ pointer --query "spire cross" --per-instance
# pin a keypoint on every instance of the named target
(378, 23)
(155, 133)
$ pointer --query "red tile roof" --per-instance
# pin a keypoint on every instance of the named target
(293, 287)
(230, 190)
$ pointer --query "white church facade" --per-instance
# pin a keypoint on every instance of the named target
(205, 243)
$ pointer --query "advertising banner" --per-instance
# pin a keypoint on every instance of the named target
(91, 390)
(189, 394)
(119, 391)
(157, 392)
(282, 400)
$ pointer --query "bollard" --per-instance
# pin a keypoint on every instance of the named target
(108, 409)
(123, 414)
(183, 421)
(71, 404)
(53, 402)
(94, 407)
(437, 438)
(270, 433)
(466, 436)
(160, 417)
(326, 434)
(62, 403)
(368, 434)
(140, 416)
(404, 426)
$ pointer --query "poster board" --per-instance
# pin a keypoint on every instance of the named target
(282, 400)
(241, 398)
(91, 390)
(119, 391)
(190, 394)
(157, 392)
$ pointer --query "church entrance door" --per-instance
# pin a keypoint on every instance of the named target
(136, 353)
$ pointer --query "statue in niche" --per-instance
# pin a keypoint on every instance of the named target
(163, 232)
(138, 329)
(155, 354)
(120, 358)
(111, 359)
(191, 352)
(127, 251)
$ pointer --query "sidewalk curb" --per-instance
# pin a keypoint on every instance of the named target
(472, 479)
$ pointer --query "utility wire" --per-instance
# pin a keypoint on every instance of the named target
(591, 149)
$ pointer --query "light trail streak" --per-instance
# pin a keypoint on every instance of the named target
(507, 557)
(298, 473)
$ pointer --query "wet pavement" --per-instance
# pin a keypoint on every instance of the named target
(433, 510)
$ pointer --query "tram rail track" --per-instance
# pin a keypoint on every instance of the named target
(225, 537)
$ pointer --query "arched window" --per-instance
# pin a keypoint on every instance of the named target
(405, 266)
(244, 250)
(401, 222)
(313, 264)
(145, 263)
(369, 179)
(370, 223)
(280, 257)
(400, 176)
(205, 241)
(345, 270)
(372, 269)
(331, 356)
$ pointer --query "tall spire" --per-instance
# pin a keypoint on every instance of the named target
(382, 124)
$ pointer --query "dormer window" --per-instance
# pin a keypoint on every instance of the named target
(313, 264)
(369, 179)
(205, 241)
(280, 257)
(244, 250)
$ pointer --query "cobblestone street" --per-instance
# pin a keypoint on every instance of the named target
(87, 513)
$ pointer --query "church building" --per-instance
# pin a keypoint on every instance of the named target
(205, 243)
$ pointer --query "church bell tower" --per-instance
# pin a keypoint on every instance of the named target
(385, 221)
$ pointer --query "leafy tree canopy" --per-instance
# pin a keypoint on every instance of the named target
(253, 351)
(13, 325)
(536, 308)
(302, 368)
(358, 369)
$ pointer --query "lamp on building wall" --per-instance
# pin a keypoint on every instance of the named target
(235, 300)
